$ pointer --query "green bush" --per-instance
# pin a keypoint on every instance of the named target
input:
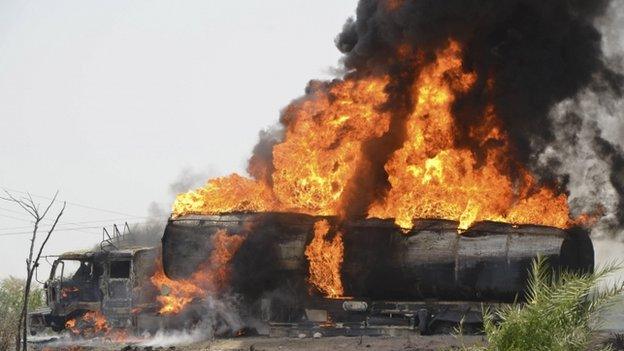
(561, 312)
(11, 294)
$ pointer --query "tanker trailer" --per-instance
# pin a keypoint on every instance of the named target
(413, 279)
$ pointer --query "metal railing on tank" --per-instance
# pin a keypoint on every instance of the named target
(111, 241)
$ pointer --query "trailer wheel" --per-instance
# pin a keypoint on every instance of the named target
(472, 329)
(443, 327)
(57, 324)
(423, 321)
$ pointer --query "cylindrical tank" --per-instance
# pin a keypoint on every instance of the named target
(489, 262)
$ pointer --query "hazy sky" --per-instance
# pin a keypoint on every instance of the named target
(108, 101)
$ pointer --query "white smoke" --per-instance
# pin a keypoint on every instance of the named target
(149, 232)
(588, 172)
(222, 315)
(218, 316)
(167, 338)
(611, 26)
(190, 178)
(584, 118)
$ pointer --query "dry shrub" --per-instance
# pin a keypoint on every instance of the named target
(11, 294)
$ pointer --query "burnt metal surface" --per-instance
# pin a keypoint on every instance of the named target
(116, 284)
(489, 262)
(331, 318)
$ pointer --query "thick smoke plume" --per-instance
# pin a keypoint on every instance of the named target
(589, 136)
(538, 52)
(542, 65)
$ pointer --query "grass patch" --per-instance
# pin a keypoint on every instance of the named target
(11, 295)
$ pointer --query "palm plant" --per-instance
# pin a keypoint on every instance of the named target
(561, 312)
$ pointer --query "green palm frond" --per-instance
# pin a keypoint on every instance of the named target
(560, 312)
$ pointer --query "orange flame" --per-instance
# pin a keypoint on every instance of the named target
(323, 144)
(94, 324)
(392, 5)
(211, 277)
(226, 194)
(313, 165)
(67, 291)
(325, 258)
(430, 177)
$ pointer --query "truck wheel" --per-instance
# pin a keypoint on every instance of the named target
(57, 324)
(423, 321)
(443, 327)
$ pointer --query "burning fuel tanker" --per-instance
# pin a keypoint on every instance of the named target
(376, 260)
(331, 202)
(421, 173)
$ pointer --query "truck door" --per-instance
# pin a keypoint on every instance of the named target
(117, 288)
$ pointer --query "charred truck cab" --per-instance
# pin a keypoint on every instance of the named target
(112, 283)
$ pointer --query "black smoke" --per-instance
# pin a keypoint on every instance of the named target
(538, 53)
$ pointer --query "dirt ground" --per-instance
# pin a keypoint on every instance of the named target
(414, 343)
(380, 343)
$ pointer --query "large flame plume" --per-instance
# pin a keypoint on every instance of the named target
(211, 277)
(430, 176)
(319, 166)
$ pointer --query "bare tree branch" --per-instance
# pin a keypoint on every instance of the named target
(50, 205)
(33, 205)
(21, 203)
(45, 241)
(33, 209)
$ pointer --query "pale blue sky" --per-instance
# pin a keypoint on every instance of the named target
(108, 101)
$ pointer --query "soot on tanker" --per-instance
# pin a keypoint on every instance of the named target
(489, 262)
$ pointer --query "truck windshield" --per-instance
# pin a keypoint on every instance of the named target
(74, 270)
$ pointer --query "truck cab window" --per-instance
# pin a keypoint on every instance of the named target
(71, 269)
(84, 272)
(120, 269)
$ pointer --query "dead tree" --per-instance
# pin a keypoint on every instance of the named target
(32, 262)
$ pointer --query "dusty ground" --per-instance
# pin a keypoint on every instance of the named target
(416, 342)
(379, 343)
(404, 343)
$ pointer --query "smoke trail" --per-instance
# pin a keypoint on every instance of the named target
(149, 232)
